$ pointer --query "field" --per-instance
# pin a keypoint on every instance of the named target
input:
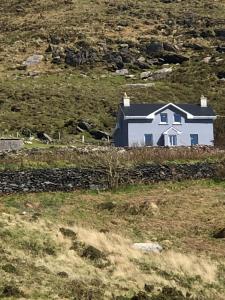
(79, 245)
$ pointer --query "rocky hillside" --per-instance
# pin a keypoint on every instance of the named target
(63, 61)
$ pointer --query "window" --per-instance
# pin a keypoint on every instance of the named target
(172, 140)
(148, 140)
(194, 139)
(177, 118)
(164, 118)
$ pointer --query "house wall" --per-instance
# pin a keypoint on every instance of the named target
(10, 144)
(136, 129)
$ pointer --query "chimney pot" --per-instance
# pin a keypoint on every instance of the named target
(203, 101)
(126, 100)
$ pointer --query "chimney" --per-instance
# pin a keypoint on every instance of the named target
(203, 101)
(126, 100)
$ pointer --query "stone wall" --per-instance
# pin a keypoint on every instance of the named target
(73, 178)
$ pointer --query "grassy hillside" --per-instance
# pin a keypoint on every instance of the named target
(84, 42)
(53, 248)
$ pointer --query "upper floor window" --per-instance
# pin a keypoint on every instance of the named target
(177, 118)
(164, 118)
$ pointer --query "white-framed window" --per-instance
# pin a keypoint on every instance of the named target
(148, 140)
(177, 118)
(163, 118)
(194, 139)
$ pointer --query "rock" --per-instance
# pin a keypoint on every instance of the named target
(33, 60)
(145, 75)
(141, 59)
(99, 135)
(122, 72)
(149, 288)
(63, 274)
(159, 74)
(220, 33)
(83, 125)
(169, 47)
(220, 49)
(148, 247)
(194, 46)
(172, 58)
(114, 58)
(207, 59)
(68, 233)
(21, 67)
(15, 108)
(80, 57)
(219, 234)
(221, 75)
(140, 85)
(57, 60)
(55, 39)
(44, 136)
(154, 47)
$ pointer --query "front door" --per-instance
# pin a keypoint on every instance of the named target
(172, 140)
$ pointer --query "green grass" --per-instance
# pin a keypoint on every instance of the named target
(34, 252)
(60, 93)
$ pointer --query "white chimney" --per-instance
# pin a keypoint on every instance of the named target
(126, 100)
(203, 101)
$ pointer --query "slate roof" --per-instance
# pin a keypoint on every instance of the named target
(146, 109)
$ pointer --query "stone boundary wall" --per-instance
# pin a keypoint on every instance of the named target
(68, 179)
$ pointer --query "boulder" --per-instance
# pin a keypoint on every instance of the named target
(33, 60)
(221, 75)
(145, 75)
(194, 46)
(154, 47)
(83, 125)
(169, 47)
(220, 49)
(44, 137)
(156, 75)
(219, 234)
(140, 85)
(122, 72)
(172, 58)
(220, 33)
(99, 135)
(80, 57)
(148, 247)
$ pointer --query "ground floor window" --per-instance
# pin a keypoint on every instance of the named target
(194, 139)
(148, 140)
(172, 140)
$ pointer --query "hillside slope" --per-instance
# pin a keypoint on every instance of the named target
(82, 43)
(53, 248)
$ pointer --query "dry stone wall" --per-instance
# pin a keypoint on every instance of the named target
(68, 179)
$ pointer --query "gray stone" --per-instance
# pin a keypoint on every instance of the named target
(145, 75)
(122, 72)
(148, 247)
(33, 60)
(140, 85)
